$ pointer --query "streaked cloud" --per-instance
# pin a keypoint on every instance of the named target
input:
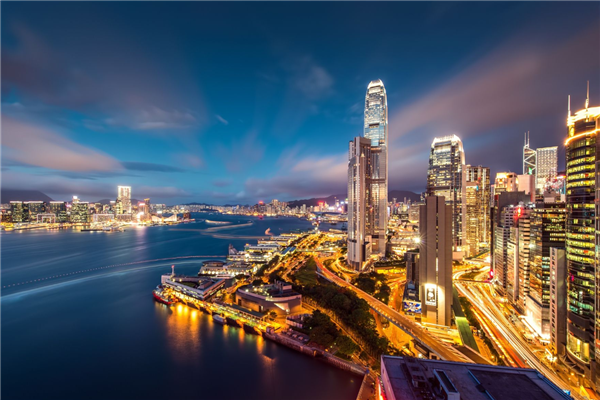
(33, 145)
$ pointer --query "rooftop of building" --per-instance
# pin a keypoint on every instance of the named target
(416, 379)
(277, 289)
(195, 282)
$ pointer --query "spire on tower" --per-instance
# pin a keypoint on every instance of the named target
(569, 106)
(587, 99)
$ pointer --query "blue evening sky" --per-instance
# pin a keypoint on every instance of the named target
(240, 102)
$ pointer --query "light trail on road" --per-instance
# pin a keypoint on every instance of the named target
(415, 330)
(487, 307)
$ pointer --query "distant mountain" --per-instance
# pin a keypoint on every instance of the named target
(398, 194)
(401, 194)
(8, 195)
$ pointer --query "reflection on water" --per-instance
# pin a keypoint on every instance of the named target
(183, 330)
(93, 325)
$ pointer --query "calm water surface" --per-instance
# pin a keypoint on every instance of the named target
(98, 334)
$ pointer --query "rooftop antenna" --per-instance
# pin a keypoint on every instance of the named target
(587, 99)
(569, 106)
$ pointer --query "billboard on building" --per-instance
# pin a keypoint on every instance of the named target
(431, 295)
(412, 306)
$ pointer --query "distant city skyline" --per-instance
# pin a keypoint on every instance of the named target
(245, 108)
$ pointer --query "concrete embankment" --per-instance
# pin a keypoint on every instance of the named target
(331, 359)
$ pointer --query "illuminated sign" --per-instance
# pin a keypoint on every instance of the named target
(431, 294)
(412, 306)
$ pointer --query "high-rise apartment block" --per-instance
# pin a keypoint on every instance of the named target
(446, 177)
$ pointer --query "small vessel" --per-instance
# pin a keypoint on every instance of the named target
(251, 329)
(219, 318)
(232, 322)
(161, 297)
(260, 217)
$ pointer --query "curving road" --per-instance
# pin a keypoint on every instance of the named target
(415, 330)
(485, 304)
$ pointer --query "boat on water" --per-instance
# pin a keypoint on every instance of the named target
(232, 322)
(251, 329)
(219, 318)
(161, 297)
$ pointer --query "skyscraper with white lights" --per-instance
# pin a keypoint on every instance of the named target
(446, 177)
(359, 202)
(376, 129)
(124, 198)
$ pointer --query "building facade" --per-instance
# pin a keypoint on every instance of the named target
(547, 231)
(477, 219)
(581, 238)
(547, 166)
(124, 198)
(376, 130)
(505, 182)
(80, 213)
(445, 177)
(435, 260)
(359, 202)
(558, 301)
(19, 211)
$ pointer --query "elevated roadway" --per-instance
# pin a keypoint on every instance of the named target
(415, 330)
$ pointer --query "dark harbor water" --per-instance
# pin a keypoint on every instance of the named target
(92, 330)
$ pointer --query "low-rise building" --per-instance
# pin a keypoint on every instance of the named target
(278, 297)
(224, 270)
(192, 287)
(407, 378)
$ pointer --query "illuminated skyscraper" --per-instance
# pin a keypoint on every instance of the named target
(547, 230)
(505, 182)
(59, 209)
(376, 129)
(547, 166)
(359, 202)
(529, 158)
(124, 197)
(477, 217)
(445, 177)
(20, 211)
(582, 237)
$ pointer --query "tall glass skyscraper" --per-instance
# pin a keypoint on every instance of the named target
(529, 158)
(582, 239)
(477, 217)
(547, 166)
(376, 129)
(446, 177)
(359, 201)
